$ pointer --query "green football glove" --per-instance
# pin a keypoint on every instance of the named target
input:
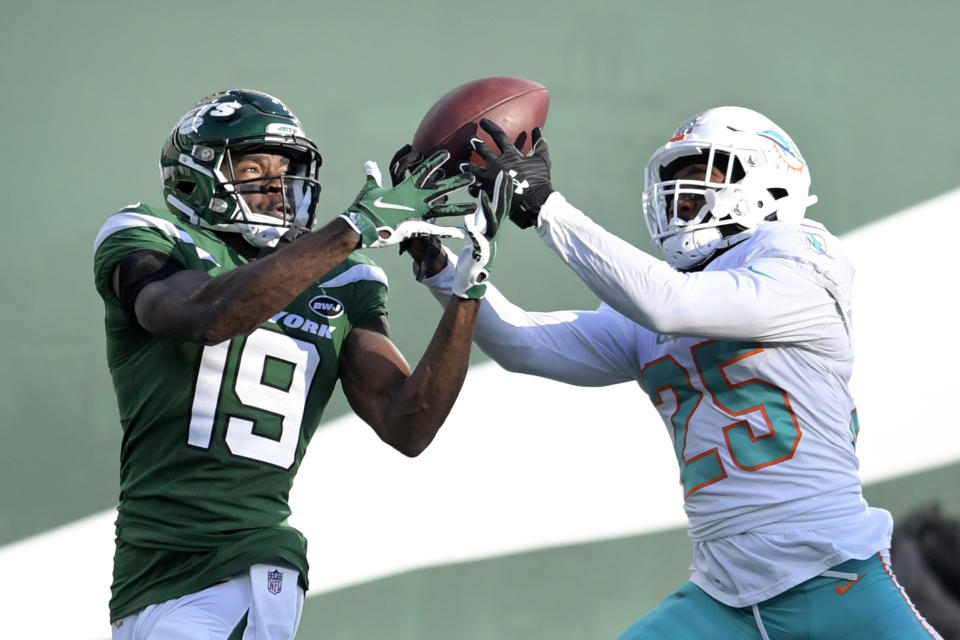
(482, 228)
(385, 216)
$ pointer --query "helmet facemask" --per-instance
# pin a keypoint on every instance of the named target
(722, 207)
(265, 207)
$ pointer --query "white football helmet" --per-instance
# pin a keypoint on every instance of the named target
(765, 178)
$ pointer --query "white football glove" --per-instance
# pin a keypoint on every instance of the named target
(482, 227)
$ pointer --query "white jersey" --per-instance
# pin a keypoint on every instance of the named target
(747, 362)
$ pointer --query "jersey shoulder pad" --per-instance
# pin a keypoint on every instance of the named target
(806, 241)
(137, 227)
(810, 246)
(357, 268)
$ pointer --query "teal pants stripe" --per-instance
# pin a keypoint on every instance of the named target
(871, 608)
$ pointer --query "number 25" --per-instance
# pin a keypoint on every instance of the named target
(749, 451)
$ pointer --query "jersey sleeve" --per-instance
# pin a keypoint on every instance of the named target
(774, 295)
(812, 252)
(121, 235)
(585, 348)
(368, 286)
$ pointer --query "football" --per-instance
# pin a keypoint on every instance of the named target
(515, 104)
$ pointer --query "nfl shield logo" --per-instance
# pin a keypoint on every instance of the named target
(274, 581)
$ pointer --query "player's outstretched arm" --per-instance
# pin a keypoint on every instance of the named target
(191, 306)
(584, 348)
(407, 408)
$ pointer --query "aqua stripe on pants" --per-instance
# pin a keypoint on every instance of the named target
(869, 608)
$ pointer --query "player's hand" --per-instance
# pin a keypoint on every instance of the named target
(530, 173)
(387, 216)
(403, 162)
(426, 251)
(482, 228)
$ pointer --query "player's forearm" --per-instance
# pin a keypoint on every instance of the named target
(237, 302)
(631, 281)
(567, 346)
(498, 337)
(773, 303)
(645, 289)
(560, 345)
(422, 403)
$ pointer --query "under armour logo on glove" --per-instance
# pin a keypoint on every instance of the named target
(518, 186)
(530, 173)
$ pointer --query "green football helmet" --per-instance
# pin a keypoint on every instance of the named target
(198, 158)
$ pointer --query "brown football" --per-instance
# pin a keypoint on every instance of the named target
(515, 104)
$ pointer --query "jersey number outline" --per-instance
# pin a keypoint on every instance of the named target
(749, 451)
(251, 387)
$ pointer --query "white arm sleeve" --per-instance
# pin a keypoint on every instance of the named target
(585, 348)
(772, 299)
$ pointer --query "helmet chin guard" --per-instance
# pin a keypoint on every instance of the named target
(764, 178)
(261, 235)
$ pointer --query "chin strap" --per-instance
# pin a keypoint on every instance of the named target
(292, 234)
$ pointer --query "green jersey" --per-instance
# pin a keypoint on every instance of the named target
(213, 435)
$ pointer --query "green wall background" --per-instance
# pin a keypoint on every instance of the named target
(89, 90)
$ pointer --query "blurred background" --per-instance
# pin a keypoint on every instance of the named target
(540, 511)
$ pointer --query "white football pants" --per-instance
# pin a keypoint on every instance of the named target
(268, 595)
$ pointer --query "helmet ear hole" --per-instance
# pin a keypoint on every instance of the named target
(776, 193)
(185, 187)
